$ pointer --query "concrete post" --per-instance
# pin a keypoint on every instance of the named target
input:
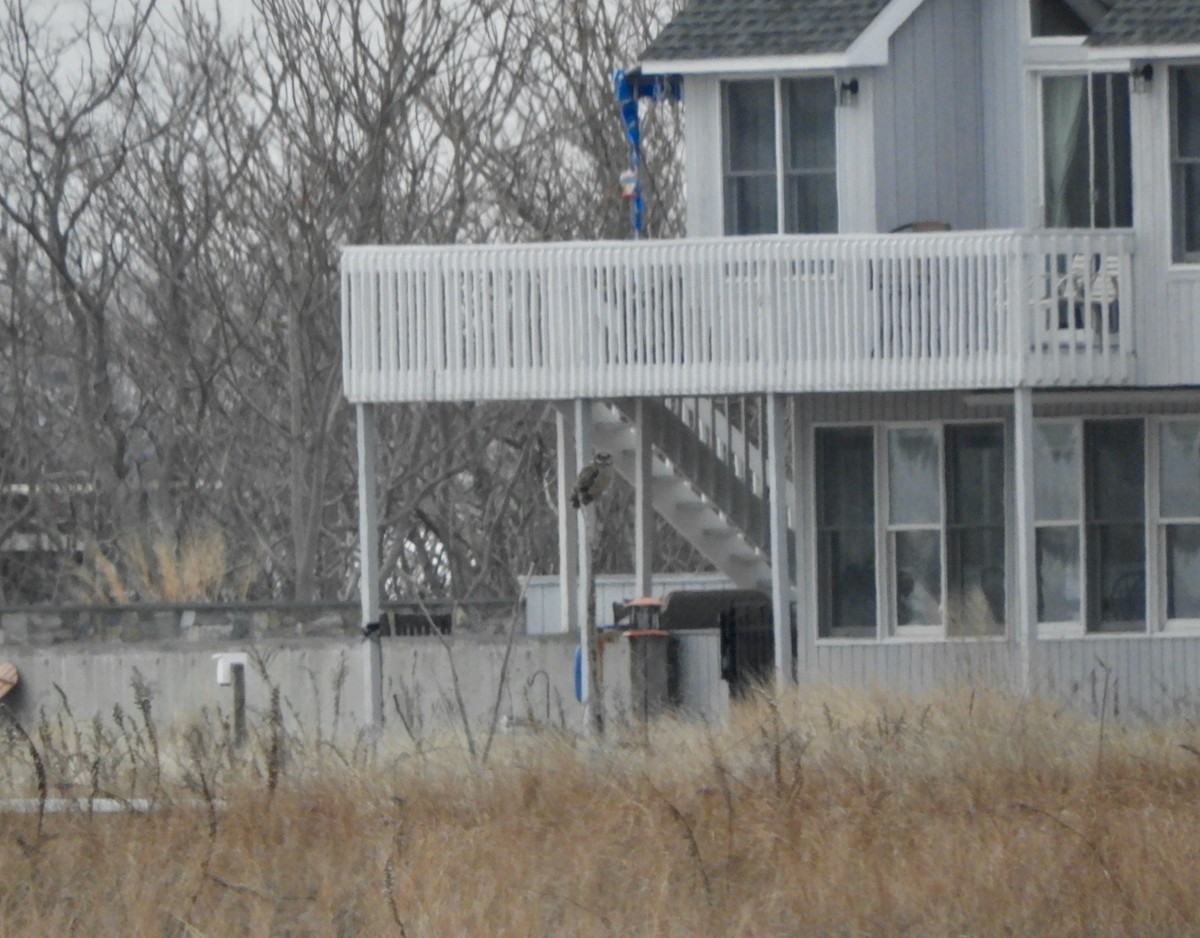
(368, 560)
(781, 573)
(643, 509)
(1025, 617)
(593, 692)
(568, 524)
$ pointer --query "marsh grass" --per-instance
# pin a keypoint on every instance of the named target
(815, 813)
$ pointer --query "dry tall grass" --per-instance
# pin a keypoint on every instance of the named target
(156, 568)
(813, 814)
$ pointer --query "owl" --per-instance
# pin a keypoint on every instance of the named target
(593, 481)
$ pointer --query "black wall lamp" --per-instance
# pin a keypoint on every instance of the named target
(1142, 76)
(848, 92)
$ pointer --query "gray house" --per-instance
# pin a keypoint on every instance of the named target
(926, 367)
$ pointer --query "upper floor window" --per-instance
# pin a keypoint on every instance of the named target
(1185, 163)
(769, 123)
(1086, 151)
(1051, 18)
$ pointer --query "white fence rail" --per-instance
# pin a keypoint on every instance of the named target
(659, 318)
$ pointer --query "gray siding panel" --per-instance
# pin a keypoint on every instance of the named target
(702, 692)
(1148, 676)
(928, 111)
(1004, 127)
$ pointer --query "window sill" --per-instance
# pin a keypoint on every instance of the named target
(915, 639)
(1079, 635)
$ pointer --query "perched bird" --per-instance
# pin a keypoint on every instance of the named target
(593, 481)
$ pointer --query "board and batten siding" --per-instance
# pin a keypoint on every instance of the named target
(703, 158)
(1140, 676)
(1147, 674)
(1003, 87)
(929, 140)
(701, 692)
(1166, 296)
(702, 155)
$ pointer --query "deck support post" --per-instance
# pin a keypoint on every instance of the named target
(643, 507)
(1024, 618)
(568, 523)
(368, 567)
(781, 574)
(585, 518)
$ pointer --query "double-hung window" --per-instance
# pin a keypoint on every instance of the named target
(1089, 511)
(1185, 163)
(941, 533)
(771, 124)
(1086, 165)
(1179, 518)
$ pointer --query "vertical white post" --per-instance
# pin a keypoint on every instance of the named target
(568, 523)
(643, 507)
(368, 564)
(586, 610)
(1025, 614)
(781, 574)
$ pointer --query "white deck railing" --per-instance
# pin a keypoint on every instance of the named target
(659, 318)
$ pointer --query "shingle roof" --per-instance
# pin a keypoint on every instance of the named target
(718, 29)
(1149, 22)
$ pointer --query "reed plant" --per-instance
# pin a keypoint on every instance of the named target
(818, 812)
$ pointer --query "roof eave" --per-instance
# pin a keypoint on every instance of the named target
(1186, 50)
(757, 64)
(869, 49)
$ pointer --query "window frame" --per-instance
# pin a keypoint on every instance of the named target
(820, 528)
(1160, 524)
(1088, 75)
(1086, 526)
(782, 170)
(886, 626)
(1177, 164)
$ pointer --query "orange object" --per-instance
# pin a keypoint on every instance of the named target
(8, 677)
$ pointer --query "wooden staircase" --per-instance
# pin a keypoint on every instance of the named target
(708, 496)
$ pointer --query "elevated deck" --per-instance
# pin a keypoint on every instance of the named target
(950, 310)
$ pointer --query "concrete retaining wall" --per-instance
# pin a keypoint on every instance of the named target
(319, 680)
(429, 683)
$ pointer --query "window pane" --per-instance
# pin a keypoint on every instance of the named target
(1185, 171)
(811, 206)
(750, 121)
(1118, 566)
(811, 132)
(1116, 466)
(1058, 574)
(975, 535)
(847, 582)
(1179, 469)
(975, 571)
(914, 478)
(845, 466)
(1187, 201)
(918, 578)
(846, 476)
(1183, 571)
(1056, 471)
(1187, 112)
(1111, 151)
(1066, 144)
(975, 474)
(750, 205)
